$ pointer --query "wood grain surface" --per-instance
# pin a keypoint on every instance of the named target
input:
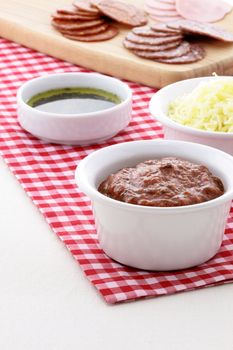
(28, 22)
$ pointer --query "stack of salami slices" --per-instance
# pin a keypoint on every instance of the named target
(167, 42)
(90, 20)
(197, 10)
(83, 22)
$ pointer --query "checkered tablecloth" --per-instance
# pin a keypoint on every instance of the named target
(46, 172)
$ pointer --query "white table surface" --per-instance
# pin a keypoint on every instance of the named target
(46, 303)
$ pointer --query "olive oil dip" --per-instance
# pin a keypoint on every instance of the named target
(73, 100)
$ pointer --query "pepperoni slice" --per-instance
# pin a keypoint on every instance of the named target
(202, 29)
(122, 12)
(180, 50)
(194, 55)
(150, 48)
(106, 35)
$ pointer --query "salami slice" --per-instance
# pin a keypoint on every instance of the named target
(203, 10)
(147, 31)
(180, 50)
(73, 11)
(150, 48)
(68, 10)
(69, 25)
(110, 33)
(152, 41)
(195, 54)
(85, 5)
(122, 12)
(163, 27)
(89, 31)
(77, 17)
(202, 29)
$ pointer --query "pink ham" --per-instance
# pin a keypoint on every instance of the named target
(203, 10)
(161, 5)
(154, 11)
(161, 11)
(165, 19)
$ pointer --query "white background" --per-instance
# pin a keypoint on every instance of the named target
(46, 303)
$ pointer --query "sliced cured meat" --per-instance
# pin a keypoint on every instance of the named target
(166, 1)
(106, 35)
(180, 50)
(161, 5)
(122, 12)
(68, 25)
(203, 10)
(165, 18)
(158, 12)
(95, 2)
(163, 27)
(195, 54)
(150, 48)
(147, 31)
(202, 29)
(85, 5)
(151, 41)
(89, 31)
(68, 10)
(78, 17)
(73, 11)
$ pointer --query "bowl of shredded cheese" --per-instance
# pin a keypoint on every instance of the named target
(197, 110)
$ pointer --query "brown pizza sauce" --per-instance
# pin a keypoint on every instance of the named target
(165, 182)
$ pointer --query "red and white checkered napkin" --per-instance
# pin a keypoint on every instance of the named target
(46, 172)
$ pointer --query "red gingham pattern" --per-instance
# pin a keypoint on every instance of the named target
(46, 172)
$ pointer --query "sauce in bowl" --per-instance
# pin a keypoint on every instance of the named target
(74, 100)
(165, 182)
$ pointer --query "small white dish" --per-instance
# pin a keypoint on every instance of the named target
(174, 131)
(157, 238)
(74, 129)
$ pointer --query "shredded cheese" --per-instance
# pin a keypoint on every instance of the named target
(208, 107)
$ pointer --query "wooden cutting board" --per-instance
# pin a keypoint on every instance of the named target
(28, 22)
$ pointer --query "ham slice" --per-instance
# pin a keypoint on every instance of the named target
(203, 10)
(161, 5)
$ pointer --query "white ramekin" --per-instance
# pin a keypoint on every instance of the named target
(74, 129)
(175, 131)
(156, 238)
